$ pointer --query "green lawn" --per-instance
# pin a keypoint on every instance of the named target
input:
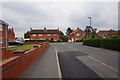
(26, 46)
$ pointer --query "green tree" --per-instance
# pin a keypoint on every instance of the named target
(90, 32)
(69, 30)
(93, 33)
(65, 38)
(61, 34)
(27, 34)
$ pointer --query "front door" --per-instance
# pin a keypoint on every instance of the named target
(72, 39)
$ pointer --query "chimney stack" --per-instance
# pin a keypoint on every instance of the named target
(45, 29)
(30, 29)
(12, 29)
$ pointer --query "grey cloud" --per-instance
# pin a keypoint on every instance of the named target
(22, 16)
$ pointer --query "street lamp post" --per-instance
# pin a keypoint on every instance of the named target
(90, 25)
(90, 20)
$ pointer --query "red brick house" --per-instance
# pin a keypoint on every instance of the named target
(3, 34)
(11, 34)
(44, 34)
(77, 34)
(107, 33)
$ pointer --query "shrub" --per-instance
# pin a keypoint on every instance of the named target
(79, 40)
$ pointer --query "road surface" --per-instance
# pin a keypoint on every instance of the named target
(75, 61)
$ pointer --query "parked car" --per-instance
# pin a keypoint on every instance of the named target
(15, 43)
(69, 41)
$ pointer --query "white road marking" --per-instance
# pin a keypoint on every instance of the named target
(59, 70)
(103, 64)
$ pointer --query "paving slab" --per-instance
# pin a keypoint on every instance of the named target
(45, 66)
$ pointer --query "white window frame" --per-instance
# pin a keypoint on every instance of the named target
(54, 34)
(48, 34)
(33, 34)
(77, 34)
(40, 35)
(1, 40)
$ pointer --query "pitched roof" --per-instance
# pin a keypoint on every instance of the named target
(2, 22)
(75, 31)
(107, 32)
(42, 31)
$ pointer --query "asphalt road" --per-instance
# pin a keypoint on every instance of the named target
(79, 61)
(74, 60)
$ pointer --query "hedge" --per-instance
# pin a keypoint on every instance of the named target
(41, 41)
(79, 40)
(113, 44)
(92, 42)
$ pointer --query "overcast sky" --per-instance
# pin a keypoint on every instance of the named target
(25, 15)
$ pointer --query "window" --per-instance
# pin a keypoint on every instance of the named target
(1, 28)
(77, 34)
(48, 34)
(54, 34)
(81, 34)
(34, 35)
(1, 40)
(40, 34)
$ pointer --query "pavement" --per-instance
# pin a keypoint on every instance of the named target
(45, 66)
(74, 60)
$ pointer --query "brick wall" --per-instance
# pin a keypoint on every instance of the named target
(21, 62)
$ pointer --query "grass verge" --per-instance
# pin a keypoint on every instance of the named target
(26, 46)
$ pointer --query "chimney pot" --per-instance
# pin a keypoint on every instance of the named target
(44, 28)
(12, 29)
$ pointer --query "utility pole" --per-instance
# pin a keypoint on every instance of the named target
(90, 24)
(90, 20)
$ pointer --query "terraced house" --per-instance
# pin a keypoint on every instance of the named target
(77, 34)
(44, 34)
